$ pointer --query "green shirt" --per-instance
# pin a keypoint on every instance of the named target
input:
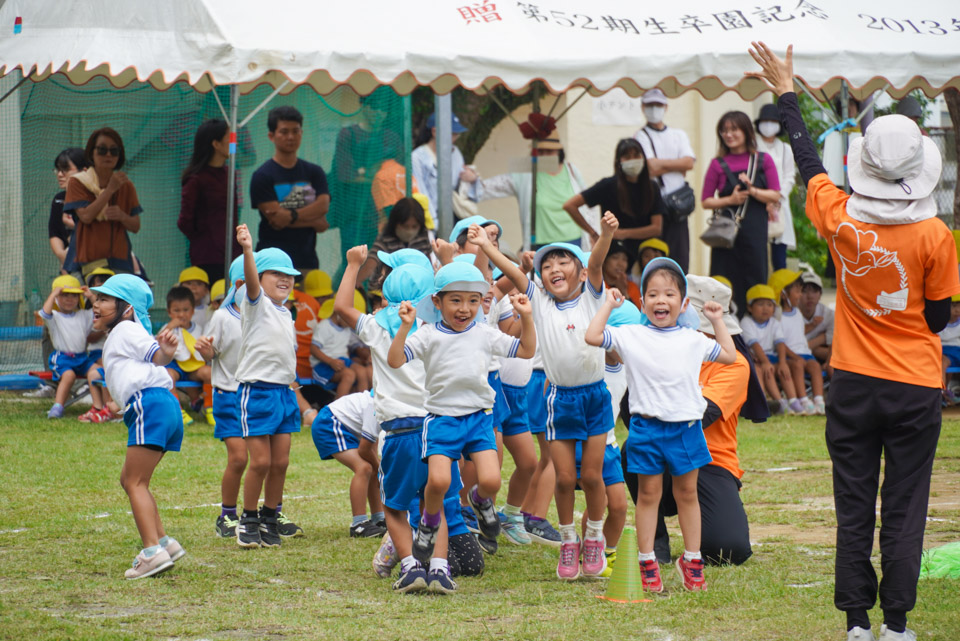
(553, 223)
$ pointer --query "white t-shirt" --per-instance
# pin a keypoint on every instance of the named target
(331, 339)
(767, 335)
(513, 371)
(456, 365)
(561, 327)
(227, 333)
(950, 335)
(825, 326)
(791, 323)
(615, 377)
(128, 362)
(668, 144)
(663, 368)
(202, 316)
(500, 310)
(398, 393)
(355, 412)
(182, 353)
(268, 344)
(68, 332)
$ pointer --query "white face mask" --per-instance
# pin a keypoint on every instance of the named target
(654, 113)
(768, 128)
(632, 168)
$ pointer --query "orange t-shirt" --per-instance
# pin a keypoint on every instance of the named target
(884, 274)
(308, 309)
(725, 385)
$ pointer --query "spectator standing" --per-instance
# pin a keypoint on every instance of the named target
(60, 228)
(405, 229)
(769, 129)
(424, 161)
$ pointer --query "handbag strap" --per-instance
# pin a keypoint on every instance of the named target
(741, 211)
(654, 148)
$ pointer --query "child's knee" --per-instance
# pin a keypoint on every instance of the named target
(237, 462)
(686, 494)
(617, 503)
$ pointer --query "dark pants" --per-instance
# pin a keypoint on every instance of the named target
(465, 556)
(725, 533)
(778, 256)
(214, 272)
(677, 237)
(867, 417)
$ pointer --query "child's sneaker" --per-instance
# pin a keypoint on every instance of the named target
(611, 559)
(367, 530)
(886, 634)
(515, 531)
(784, 407)
(187, 419)
(489, 546)
(486, 515)
(287, 528)
(796, 407)
(197, 404)
(691, 572)
(856, 633)
(92, 415)
(208, 414)
(650, 576)
(439, 582)
(568, 567)
(385, 559)
(541, 531)
(174, 549)
(148, 566)
(423, 542)
(594, 560)
(269, 532)
(57, 412)
(413, 580)
(819, 407)
(227, 526)
(469, 519)
(248, 532)
(808, 407)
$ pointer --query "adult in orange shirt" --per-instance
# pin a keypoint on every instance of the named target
(897, 267)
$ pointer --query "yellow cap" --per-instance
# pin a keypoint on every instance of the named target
(291, 296)
(760, 291)
(780, 280)
(193, 273)
(100, 271)
(955, 298)
(425, 203)
(317, 283)
(654, 243)
(218, 289)
(69, 284)
(724, 280)
(326, 310)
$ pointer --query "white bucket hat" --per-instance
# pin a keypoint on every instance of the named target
(894, 161)
(700, 289)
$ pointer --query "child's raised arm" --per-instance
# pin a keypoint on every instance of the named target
(478, 237)
(250, 275)
(343, 303)
(594, 335)
(608, 225)
(714, 313)
(408, 316)
(528, 334)
(48, 304)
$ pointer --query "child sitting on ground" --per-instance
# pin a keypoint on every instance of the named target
(817, 318)
(70, 326)
(763, 334)
(950, 343)
(787, 286)
(217, 291)
(649, 249)
(187, 364)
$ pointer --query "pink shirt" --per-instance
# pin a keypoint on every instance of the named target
(716, 178)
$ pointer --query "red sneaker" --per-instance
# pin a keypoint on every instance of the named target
(650, 576)
(692, 574)
(90, 416)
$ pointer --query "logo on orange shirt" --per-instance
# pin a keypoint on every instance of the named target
(860, 255)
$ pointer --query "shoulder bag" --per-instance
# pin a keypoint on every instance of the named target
(724, 225)
(680, 202)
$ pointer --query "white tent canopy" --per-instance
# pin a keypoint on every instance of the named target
(687, 45)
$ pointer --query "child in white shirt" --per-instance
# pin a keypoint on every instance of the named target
(763, 334)
(788, 287)
(69, 325)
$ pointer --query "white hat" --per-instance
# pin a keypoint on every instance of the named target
(894, 161)
(811, 278)
(653, 97)
(700, 289)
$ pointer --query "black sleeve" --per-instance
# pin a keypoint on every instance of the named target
(55, 226)
(261, 188)
(711, 415)
(594, 194)
(319, 181)
(804, 151)
(658, 207)
(937, 314)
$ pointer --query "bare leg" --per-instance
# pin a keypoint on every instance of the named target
(649, 489)
(138, 467)
(524, 456)
(63, 387)
(279, 460)
(688, 509)
(233, 473)
(591, 476)
(258, 449)
(360, 482)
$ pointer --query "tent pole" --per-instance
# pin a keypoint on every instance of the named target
(231, 183)
(443, 107)
(844, 136)
(530, 228)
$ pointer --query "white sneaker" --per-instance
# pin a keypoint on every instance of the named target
(44, 391)
(808, 407)
(174, 549)
(144, 567)
(889, 635)
(859, 634)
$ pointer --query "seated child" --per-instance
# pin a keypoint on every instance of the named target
(649, 249)
(187, 363)
(787, 285)
(70, 326)
(217, 292)
(817, 318)
(616, 270)
(329, 356)
(950, 341)
(196, 280)
(102, 407)
(763, 334)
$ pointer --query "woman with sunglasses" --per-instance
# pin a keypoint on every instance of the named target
(104, 204)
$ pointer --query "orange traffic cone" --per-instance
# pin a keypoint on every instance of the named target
(625, 585)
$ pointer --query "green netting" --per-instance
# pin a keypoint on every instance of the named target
(41, 119)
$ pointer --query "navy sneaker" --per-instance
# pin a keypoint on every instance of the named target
(227, 526)
(248, 532)
(489, 546)
(367, 530)
(541, 531)
(440, 582)
(470, 519)
(413, 580)
(269, 533)
(423, 542)
(486, 515)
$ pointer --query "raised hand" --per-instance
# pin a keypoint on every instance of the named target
(445, 251)
(609, 224)
(204, 347)
(168, 342)
(407, 313)
(357, 255)
(713, 310)
(521, 304)
(614, 297)
(244, 238)
(477, 236)
(526, 261)
(777, 72)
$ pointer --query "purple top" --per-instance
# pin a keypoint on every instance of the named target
(716, 178)
(203, 207)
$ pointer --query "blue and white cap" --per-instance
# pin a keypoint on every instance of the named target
(582, 256)
(464, 225)
(274, 259)
(688, 318)
(405, 256)
(460, 277)
(236, 273)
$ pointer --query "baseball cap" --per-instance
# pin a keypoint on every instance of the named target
(760, 291)
(455, 126)
(317, 283)
(810, 278)
(464, 225)
(653, 97)
(460, 277)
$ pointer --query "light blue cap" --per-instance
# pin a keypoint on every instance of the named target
(626, 314)
(466, 259)
(407, 282)
(236, 273)
(464, 225)
(403, 257)
(274, 259)
(460, 277)
(135, 291)
(582, 256)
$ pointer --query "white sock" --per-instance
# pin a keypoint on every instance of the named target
(691, 556)
(568, 533)
(408, 563)
(594, 530)
(511, 510)
(646, 556)
(790, 401)
(439, 564)
(818, 399)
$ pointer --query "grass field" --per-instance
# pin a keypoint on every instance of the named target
(66, 538)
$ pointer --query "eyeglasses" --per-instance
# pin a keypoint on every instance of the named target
(103, 150)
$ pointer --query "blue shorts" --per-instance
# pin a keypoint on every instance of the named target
(655, 446)
(501, 407)
(181, 375)
(577, 413)
(330, 436)
(267, 409)
(454, 436)
(806, 357)
(62, 362)
(612, 468)
(322, 373)
(403, 475)
(153, 418)
(226, 414)
(95, 354)
(773, 358)
(517, 421)
(537, 402)
(952, 353)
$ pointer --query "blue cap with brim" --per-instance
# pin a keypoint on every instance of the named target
(274, 259)
(579, 254)
(460, 277)
(133, 290)
(236, 273)
(626, 314)
(407, 282)
(455, 126)
(405, 256)
(464, 225)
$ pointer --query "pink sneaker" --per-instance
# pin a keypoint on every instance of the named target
(568, 567)
(144, 567)
(650, 576)
(594, 560)
(692, 574)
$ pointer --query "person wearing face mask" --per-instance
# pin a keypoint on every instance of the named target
(629, 194)
(406, 228)
(669, 157)
(768, 127)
